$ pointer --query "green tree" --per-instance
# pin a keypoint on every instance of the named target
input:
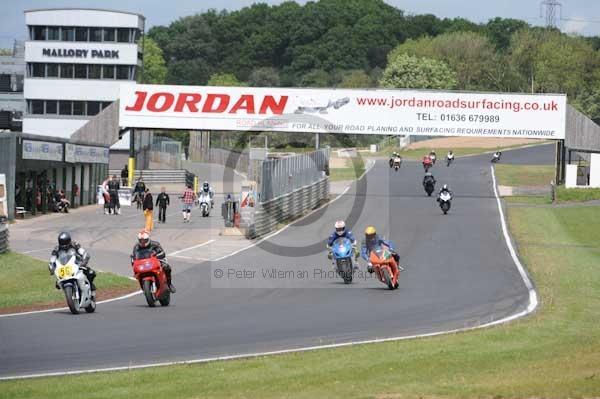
(264, 77)
(355, 79)
(155, 68)
(315, 78)
(406, 71)
(224, 79)
(588, 102)
(499, 30)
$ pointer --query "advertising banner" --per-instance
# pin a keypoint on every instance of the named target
(42, 150)
(390, 112)
(85, 154)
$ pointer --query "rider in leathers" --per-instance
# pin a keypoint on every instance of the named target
(372, 239)
(144, 243)
(113, 191)
(64, 244)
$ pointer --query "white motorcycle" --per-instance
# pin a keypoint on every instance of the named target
(444, 200)
(73, 282)
(205, 204)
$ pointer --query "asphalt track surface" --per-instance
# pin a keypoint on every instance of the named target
(458, 274)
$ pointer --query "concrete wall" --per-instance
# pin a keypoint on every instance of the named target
(101, 130)
(287, 207)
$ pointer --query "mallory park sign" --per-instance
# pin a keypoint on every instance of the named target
(80, 53)
(352, 111)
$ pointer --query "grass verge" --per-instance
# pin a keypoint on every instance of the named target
(553, 353)
(577, 194)
(524, 175)
(355, 167)
(26, 284)
(528, 199)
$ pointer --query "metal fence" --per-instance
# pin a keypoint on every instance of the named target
(281, 176)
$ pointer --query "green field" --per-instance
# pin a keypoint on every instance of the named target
(577, 194)
(553, 353)
(355, 167)
(25, 281)
(524, 175)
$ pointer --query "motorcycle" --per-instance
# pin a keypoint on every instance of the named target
(397, 163)
(429, 186)
(204, 203)
(496, 157)
(153, 280)
(432, 157)
(449, 160)
(384, 265)
(445, 201)
(73, 281)
(342, 251)
(427, 163)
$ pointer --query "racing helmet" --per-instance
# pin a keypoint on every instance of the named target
(445, 187)
(64, 240)
(205, 186)
(143, 238)
(340, 227)
(370, 237)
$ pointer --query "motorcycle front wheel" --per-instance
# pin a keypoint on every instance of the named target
(147, 288)
(71, 300)
(388, 278)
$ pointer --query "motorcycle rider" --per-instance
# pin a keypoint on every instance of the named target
(371, 241)
(113, 191)
(144, 243)
(496, 156)
(65, 243)
(432, 156)
(444, 189)
(428, 178)
(138, 192)
(341, 231)
(450, 156)
(206, 188)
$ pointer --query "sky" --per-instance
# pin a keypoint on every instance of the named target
(579, 16)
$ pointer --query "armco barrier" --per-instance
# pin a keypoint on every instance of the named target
(3, 237)
(287, 207)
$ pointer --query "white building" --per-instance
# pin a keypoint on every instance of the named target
(76, 59)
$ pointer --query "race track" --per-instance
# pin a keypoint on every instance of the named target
(459, 273)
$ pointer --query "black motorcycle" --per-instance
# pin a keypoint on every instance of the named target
(429, 186)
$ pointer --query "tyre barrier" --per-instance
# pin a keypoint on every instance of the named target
(3, 236)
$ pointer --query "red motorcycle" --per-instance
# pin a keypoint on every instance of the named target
(427, 162)
(385, 266)
(152, 278)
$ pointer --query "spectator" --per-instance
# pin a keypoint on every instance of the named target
(188, 197)
(148, 207)
(124, 176)
(113, 190)
(162, 201)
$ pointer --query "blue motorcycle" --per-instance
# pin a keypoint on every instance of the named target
(343, 250)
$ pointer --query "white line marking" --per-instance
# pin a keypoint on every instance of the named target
(35, 250)
(195, 246)
(533, 302)
(57, 309)
(189, 257)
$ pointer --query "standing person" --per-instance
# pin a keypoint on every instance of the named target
(124, 176)
(113, 190)
(139, 190)
(148, 207)
(188, 197)
(162, 201)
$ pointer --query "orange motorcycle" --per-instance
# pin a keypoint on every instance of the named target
(385, 266)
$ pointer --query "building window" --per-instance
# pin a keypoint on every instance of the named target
(105, 104)
(123, 72)
(109, 34)
(78, 107)
(53, 33)
(94, 72)
(37, 107)
(108, 71)
(95, 34)
(52, 70)
(39, 33)
(81, 34)
(66, 71)
(93, 107)
(67, 34)
(65, 107)
(38, 70)
(51, 107)
(80, 71)
(123, 35)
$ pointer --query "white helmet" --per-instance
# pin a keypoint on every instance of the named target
(340, 227)
(143, 238)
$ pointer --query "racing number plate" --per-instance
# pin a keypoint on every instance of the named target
(64, 271)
